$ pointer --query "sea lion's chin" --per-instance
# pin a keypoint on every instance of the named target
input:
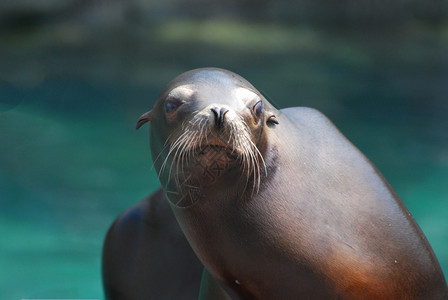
(208, 168)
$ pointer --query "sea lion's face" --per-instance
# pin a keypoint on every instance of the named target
(207, 129)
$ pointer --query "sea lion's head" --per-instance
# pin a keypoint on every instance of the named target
(208, 128)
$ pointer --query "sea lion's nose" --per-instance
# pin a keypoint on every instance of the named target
(219, 113)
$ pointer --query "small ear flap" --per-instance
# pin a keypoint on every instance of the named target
(143, 119)
(272, 120)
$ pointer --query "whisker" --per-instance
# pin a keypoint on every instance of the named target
(178, 155)
(172, 148)
(197, 132)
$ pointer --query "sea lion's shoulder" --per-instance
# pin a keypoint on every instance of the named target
(122, 234)
(313, 125)
(121, 241)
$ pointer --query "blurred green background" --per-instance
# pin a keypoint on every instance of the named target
(75, 75)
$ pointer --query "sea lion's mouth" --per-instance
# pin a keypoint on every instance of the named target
(218, 150)
(202, 168)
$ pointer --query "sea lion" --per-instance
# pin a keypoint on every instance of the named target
(146, 255)
(278, 204)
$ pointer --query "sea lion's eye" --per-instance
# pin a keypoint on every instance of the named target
(258, 108)
(169, 107)
(172, 105)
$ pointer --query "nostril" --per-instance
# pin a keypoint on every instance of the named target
(215, 112)
(223, 111)
(219, 115)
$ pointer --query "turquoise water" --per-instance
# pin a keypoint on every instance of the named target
(62, 182)
(71, 159)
